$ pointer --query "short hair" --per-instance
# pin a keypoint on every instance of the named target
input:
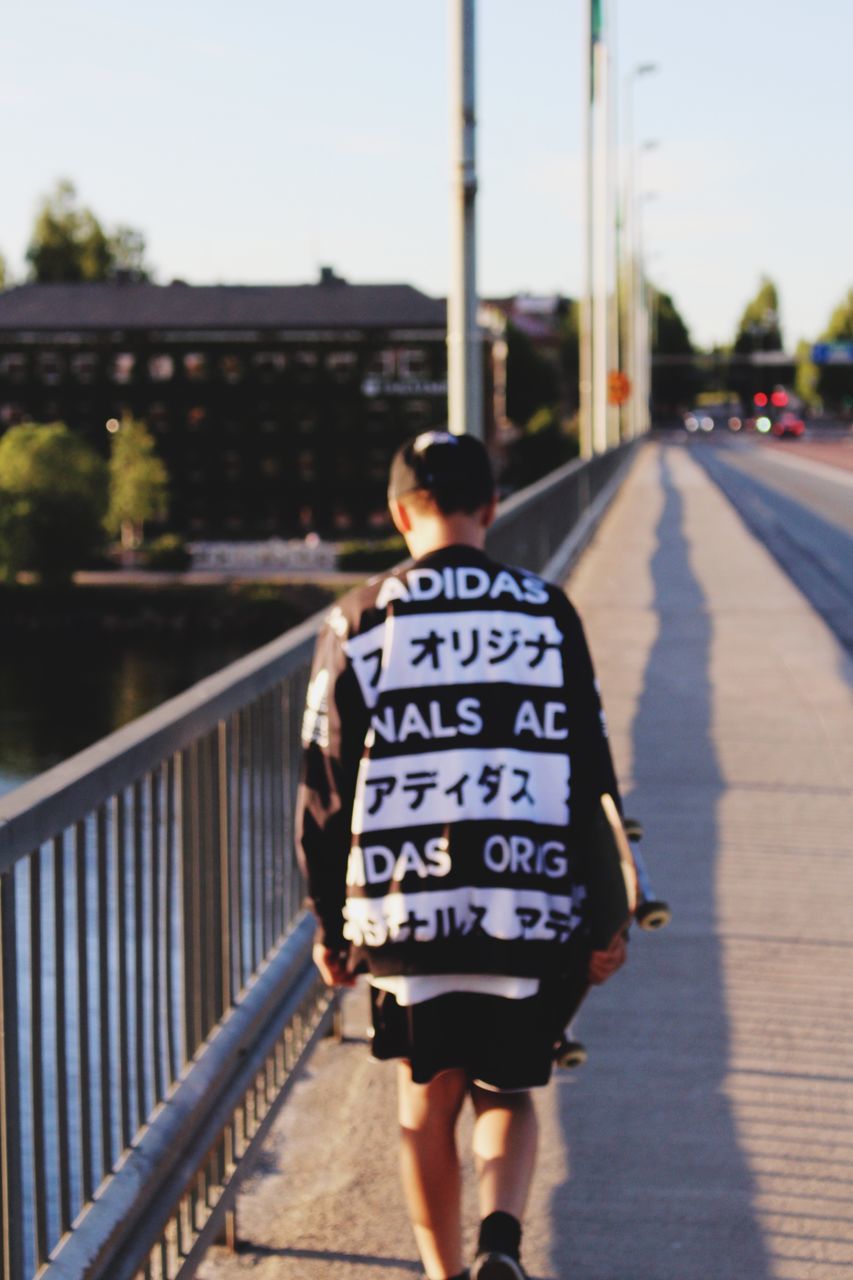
(448, 501)
(454, 469)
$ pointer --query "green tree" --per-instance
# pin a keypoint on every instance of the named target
(543, 445)
(138, 483)
(807, 376)
(569, 355)
(127, 246)
(835, 381)
(531, 379)
(68, 244)
(53, 495)
(759, 328)
(676, 380)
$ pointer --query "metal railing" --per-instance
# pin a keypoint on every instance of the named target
(156, 981)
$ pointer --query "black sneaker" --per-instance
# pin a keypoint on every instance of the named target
(497, 1266)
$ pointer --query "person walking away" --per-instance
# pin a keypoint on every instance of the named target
(455, 754)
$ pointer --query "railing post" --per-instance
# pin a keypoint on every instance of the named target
(11, 1208)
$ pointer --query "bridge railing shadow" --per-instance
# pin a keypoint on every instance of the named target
(647, 1121)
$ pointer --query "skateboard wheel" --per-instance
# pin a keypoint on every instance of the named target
(569, 1054)
(653, 915)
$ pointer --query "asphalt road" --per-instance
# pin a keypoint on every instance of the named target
(801, 510)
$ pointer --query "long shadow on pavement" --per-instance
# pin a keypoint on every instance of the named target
(658, 1189)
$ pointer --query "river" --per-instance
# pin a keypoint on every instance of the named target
(59, 696)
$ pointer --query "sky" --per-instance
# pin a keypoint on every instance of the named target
(254, 142)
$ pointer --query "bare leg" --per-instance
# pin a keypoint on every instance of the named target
(430, 1166)
(505, 1135)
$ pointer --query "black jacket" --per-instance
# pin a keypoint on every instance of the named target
(454, 754)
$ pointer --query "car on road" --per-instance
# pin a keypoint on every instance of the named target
(714, 416)
(788, 424)
(698, 420)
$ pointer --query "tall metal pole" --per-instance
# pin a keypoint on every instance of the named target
(644, 355)
(464, 344)
(629, 316)
(601, 240)
(614, 412)
(585, 388)
(637, 418)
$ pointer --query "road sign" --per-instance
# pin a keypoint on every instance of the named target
(832, 353)
(618, 387)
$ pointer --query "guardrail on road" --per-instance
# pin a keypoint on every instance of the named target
(156, 981)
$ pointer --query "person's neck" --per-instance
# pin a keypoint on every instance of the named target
(440, 534)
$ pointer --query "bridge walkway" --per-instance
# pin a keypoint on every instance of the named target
(710, 1135)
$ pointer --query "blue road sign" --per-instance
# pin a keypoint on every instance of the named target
(832, 353)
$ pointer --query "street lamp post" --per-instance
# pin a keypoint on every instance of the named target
(464, 347)
(644, 325)
(597, 240)
(631, 275)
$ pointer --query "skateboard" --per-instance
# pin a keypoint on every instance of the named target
(620, 891)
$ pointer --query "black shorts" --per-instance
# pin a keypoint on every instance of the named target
(500, 1043)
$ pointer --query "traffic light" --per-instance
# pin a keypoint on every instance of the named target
(759, 399)
(779, 398)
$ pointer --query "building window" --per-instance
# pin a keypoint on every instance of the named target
(84, 367)
(196, 417)
(13, 366)
(412, 364)
(418, 413)
(122, 367)
(377, 464)
(383, 364)
(270, 467)
(10, 414)
(158, 416)
(161, 368)
(306, 365)
(232, 369)
(377, 416)
(268, 365)
(342, 366)
(195, 366)
(50, 368)
(307, 469)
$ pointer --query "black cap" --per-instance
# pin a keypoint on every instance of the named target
(454, 469)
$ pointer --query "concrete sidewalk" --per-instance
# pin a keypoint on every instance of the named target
(710, 1135)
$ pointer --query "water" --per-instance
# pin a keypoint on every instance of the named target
(59, 695)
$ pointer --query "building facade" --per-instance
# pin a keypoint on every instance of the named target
(276, 409)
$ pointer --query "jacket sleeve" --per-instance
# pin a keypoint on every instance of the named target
(333, 731)
(592, 764)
